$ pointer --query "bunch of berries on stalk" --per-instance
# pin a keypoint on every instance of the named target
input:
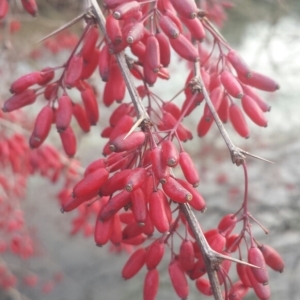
(140, 188)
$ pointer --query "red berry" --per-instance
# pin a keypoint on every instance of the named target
(151, 284)
(64, 113)
(157, 211)
(176, 191)
(256, 258)
(155, 254)
(131, 142)
(134, 263)
(178, 279)
(90, 185)
(272, 258)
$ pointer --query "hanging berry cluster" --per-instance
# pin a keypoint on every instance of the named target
(18, 162)
(138, 190)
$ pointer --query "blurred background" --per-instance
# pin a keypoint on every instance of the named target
(266, 34)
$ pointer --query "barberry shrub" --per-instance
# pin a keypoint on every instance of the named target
(142, 193)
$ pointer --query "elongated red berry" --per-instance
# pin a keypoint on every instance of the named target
(81, 117)
(155, 254)
(188, 168)
(138, 49)
(243, 274)
(91, 105)
(122, 110)
(232, 242)
(19, 100)
(204, 126)
(116, 234)
(173, 109)
(90, 64)
(176, 191)
(253, 111)
(231, 84)
(203, 285)
(114, 205)
(161, 171)
(173, 16)
(264, 106)
(185, 8)
(135, 262)
(132, 230)
(115, 182)
(238, 64)
(198, 268)
(216, 240)
(272, 258)
(237, 291)
(50, 91)
(186, 255)
(169, 28)
(135, 179)
(68, 140)
(157, 211)
(42, 127)
(113, 30)
(261, 82)
(227, 224)
(135, 33)
(30, 6)
(103, 230)
(90, 185)
(256, 258)
(24, 82)
(223, 110)
(152, 54)
(238, 121)
(149, 75)
(64, 113)
(185, 48)
(139, 206)
(178, 279)
(119, 87)
(104, 63)
(197, 201)
(122, 126)
(125, 10)
(73, 71)
(134, 140)
(164, 49)
(195, 28)
(151, 284)
(170, 155)
(262, 291)
(89, 42)
(47, 75)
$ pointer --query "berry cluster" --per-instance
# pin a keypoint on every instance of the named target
(18, 162)
(138, 191)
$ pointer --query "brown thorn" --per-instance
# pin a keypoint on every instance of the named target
(255, 156)
(222, 257)
(135, 125)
